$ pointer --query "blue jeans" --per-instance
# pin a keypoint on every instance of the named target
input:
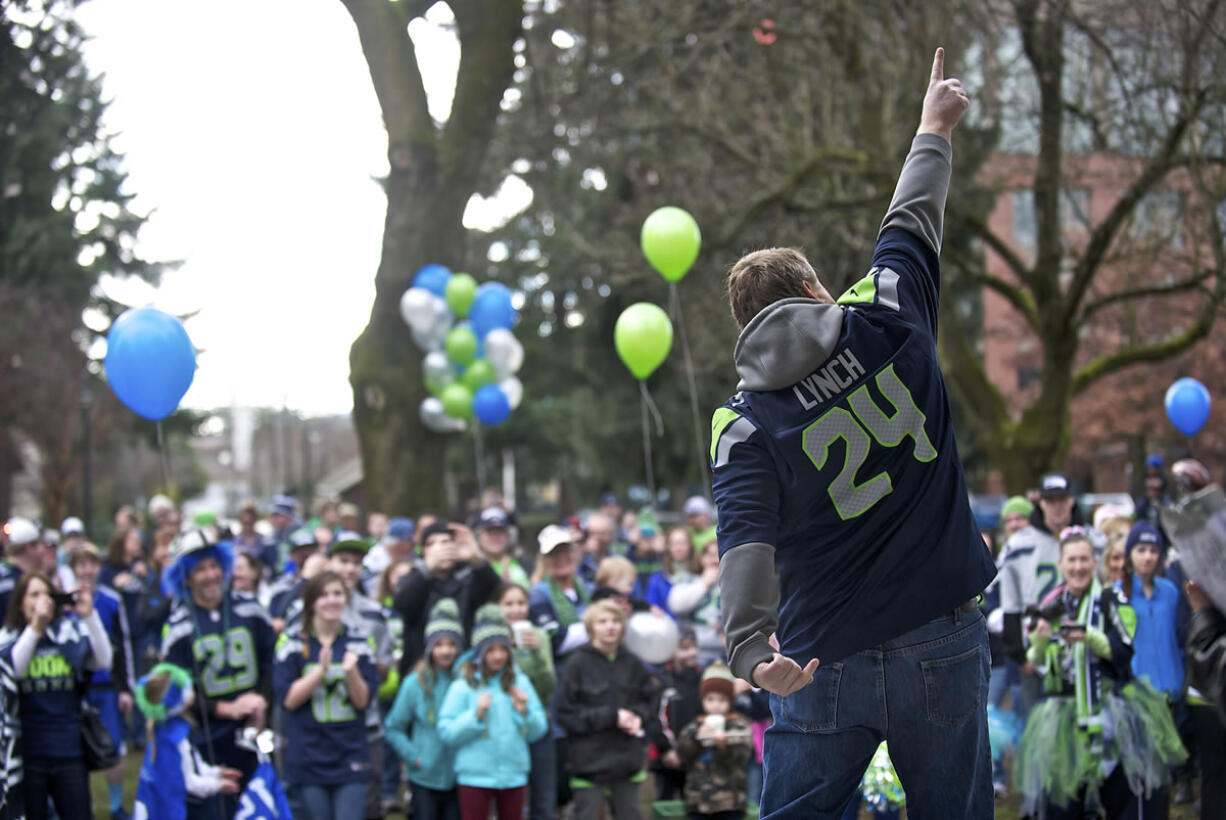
(924, 693)
(343, 801)
(432, 804)
(543, 780)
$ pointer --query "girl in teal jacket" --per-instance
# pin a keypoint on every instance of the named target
(412, 724)
(490, 715)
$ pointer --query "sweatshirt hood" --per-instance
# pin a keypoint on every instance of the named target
(785, 342)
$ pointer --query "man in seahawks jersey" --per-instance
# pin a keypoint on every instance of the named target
(845, 529)
(226, 640)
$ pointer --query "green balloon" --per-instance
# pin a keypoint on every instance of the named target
(461, 290)
(671, 241)
(478, 374)
(643, 336)
(457, 401)
(461, 345)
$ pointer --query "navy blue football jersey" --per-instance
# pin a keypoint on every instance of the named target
(852, 473)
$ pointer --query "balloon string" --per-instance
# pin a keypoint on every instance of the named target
(675, 308)
(479, 451)
(649, 403)
(163, 458)
(645, 402)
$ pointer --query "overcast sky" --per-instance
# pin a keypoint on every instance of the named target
(252, 133)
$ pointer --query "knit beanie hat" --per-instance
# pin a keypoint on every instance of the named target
(1143, 532)
(444, 622)
(489, 628)
(1017, 505)
(718, 679)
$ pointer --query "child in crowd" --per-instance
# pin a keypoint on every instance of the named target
(679, 705)
(680, 567)
(606, 703)
(715, 750)
(325, 679)
(533, 654)
(490, 715)
(412, 725)
(617, 579)
(697, 605)
(172, 768)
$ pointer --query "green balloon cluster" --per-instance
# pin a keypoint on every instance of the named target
(643, 336)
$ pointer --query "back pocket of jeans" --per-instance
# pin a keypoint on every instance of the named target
(816, 707)
(953, 687)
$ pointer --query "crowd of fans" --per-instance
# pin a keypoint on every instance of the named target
(439, 667)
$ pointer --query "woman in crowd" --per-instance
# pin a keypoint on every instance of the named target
(247, 576)
(680, 567)
(125, 570)
(325, 679)
(607, 704)
(697, 606)
(44, 648)
(1082, 648)
(533, 655)
(489, 717)
(412, 724)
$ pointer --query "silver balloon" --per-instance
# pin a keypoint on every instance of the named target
(513, 389)
(417, 308)
(654, 638)
(427, 340)
(436, 420)
(437, 372)
(504, 352)
(443, 317)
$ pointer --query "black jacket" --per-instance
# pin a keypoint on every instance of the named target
(471, 585)
(592, 689)
(1207, 656)
(679, 705)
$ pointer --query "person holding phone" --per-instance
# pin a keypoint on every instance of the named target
(45, 647)
(1097, 730)
(455, 568)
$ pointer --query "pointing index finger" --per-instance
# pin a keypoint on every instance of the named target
(938, 66)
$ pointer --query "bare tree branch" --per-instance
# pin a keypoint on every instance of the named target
(979, 227)
(393, 69)
(1180, 286)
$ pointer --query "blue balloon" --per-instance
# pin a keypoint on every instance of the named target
(491, 309)
(433, 278)
(150, 362)
(1187, 405)
(490, 405)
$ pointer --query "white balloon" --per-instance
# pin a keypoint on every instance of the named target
(443, 317)
(504, 352)
(417, 308)
(426, 340)
(437, 372)
(436, 419)
(513, 389)
(654, 638)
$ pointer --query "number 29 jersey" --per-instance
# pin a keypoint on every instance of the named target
(228, 650)
(839, 452)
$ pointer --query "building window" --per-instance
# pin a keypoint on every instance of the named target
(1024, 228)
(1159, 218)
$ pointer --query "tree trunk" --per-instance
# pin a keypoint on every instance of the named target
(433, 172)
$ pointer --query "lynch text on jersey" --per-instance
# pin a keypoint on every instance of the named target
(841, 373)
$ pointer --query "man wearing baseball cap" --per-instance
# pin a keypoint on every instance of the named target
(1028, 569)
(23, 550)
(698, 512)
(494, 538)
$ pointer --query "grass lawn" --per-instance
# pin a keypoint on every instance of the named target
(1005, 809)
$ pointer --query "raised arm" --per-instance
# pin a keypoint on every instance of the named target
(918, 205)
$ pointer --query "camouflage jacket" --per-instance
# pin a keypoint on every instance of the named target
(715, 778)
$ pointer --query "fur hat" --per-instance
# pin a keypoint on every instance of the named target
(444, 622)
(717, 679)
(489, 628)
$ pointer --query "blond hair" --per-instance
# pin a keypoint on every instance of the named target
(764, 277)
(613, 568)
(603, 607)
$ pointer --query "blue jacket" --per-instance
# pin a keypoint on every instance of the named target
(491, 753)
(1157, 654)
(658, 587)
(412, 729)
